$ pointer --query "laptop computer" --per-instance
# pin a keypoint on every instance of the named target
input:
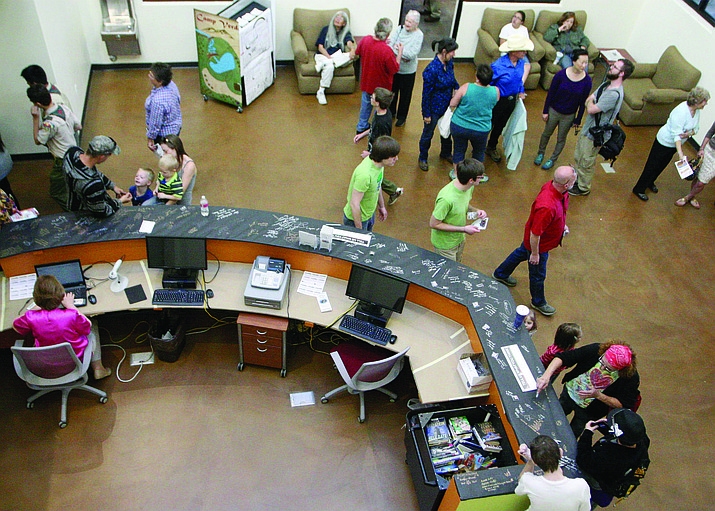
(70, 275)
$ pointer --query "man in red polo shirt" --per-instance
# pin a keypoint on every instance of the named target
(544, 230)
(379, 64)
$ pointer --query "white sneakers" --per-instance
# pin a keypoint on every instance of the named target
(321, 97)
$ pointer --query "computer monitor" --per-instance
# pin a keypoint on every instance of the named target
(179, 257)
(379, 294)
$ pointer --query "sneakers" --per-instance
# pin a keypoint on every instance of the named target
(507, 281)
(321, 97)
(394, 196)
(400, 123)
(483, 178)
(539, 159)
(452, 174)
(577, 191)
(545, 309)
(548, 164)
(493, 153)
(423, 165)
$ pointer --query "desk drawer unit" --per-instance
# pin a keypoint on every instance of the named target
(262, 341)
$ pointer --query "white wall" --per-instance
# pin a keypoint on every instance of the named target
(680, 25)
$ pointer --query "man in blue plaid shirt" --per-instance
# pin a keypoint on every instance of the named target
(163, 106)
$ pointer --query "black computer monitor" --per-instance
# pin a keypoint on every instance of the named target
(179, 257)
(379, 293)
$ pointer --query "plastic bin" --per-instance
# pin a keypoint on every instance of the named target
(168, 349)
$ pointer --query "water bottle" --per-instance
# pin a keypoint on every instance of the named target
(204, 206)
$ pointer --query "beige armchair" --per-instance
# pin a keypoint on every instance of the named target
(488, 46)
(653, 90)
(548, 68)
(307, 24)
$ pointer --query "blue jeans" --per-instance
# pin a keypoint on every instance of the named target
(566, 61)
(462, 137)
(426, 140)
(365, 112)
(367, 225)
(537, 272)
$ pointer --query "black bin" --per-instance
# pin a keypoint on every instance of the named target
(168, 349)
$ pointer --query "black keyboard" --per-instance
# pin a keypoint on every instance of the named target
(178, 297)
(365, 330)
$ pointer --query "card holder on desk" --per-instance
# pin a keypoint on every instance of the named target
(135, 294)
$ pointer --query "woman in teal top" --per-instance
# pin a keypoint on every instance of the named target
(472, 118)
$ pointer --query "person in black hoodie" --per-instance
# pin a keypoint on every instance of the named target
(612, 461)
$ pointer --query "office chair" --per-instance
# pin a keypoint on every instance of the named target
(56, 367)
(363, 367)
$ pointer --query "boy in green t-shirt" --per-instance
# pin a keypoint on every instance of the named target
(364, 196)
(169, 189)
(449, 218)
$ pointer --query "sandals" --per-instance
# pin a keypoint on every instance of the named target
(693, 202)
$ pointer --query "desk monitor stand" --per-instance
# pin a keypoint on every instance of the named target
(374, 314)
(179, 279)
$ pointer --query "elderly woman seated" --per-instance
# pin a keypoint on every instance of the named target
(334, 40)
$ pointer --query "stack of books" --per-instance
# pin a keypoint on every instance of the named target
(455, 445)
(487, 436)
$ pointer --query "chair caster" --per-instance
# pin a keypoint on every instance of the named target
(63, 424)
(324, 400)
(283, 373)
(206, 98)
(30, 406)
(361, 420)
(392, 400)
(103, 400)
(240, 366)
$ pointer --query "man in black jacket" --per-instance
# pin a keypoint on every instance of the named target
(612, 461)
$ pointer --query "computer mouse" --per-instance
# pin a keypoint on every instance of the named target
(92, 299)
(393, 339)
(209, 293)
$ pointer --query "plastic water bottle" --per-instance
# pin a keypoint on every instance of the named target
(204, 206)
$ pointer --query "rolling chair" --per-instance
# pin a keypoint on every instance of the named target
(364, 367)
(50, 368)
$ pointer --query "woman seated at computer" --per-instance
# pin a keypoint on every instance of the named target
(51, 324)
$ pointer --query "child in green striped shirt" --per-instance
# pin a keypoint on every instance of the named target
(169, 189)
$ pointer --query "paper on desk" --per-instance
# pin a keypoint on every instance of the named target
(612, 55)
(147, 226)
(21, 286)
(302, 399)
(312, 284)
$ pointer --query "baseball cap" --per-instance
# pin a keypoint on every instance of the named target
(626, 425)
(102, 144)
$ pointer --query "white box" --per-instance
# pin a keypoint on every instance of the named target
(473, 381)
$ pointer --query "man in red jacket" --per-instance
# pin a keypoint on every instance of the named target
(379, 64)
(544, 230)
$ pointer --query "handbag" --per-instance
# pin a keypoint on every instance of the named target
(444, 123)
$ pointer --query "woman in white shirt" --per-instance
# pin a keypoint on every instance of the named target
(683, 123)
(516, 27)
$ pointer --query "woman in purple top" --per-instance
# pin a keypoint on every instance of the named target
(564, 105)
(49, 324)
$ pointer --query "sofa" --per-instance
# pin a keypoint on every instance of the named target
(307, 24)
(488, 45)
(653, 90)
(548, 68)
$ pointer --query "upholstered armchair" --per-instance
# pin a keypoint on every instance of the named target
(307, 24)
(653, 90)
(488, 45)
(548, 68)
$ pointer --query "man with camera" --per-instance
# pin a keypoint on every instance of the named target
(602, 107)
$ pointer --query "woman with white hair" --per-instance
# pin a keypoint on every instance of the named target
(379, 64)
(333, 42)
(683, 123)
(410, 36)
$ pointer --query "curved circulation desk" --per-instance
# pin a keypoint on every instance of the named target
(451, 308)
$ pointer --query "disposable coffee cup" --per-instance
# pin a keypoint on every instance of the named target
(521, 312)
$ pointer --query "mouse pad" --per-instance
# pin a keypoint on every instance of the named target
(135, 294)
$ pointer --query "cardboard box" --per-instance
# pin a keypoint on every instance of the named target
(474, 381)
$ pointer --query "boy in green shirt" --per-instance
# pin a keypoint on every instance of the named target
(449, 218)
(364, 196)
(169, 189)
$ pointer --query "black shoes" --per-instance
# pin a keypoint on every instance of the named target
(400, 123)
(653, 188)
(641, 196)
(446, 157)
(577, 191)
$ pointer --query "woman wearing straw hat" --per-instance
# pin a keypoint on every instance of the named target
(509, 78)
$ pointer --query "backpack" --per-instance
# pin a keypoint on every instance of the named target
(614, 145)
(633, 476)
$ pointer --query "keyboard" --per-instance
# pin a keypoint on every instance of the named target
(365, 330)
(178, 297)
